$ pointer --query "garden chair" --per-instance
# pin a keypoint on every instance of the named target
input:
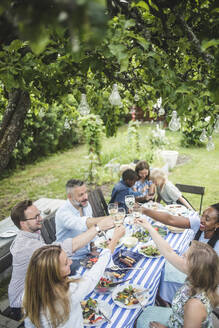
(192, 190)
(98, 203)
(48, 230)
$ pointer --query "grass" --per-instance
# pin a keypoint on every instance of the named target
(47, 177)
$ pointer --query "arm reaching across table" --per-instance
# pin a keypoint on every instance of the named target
(164, 247)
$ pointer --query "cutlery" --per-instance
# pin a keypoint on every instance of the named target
(116, 268)
(118, 282)
(105, 317)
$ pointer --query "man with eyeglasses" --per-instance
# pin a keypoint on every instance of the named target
(27, 218)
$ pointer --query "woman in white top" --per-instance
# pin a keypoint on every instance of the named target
(166, 190)
(51, 298)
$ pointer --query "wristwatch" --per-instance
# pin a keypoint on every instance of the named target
(98, 229)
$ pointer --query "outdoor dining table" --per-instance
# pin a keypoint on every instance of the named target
(148, 278)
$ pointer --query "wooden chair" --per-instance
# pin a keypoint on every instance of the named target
(98, 203)
(192, 190)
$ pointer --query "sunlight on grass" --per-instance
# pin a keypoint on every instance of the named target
(47, 177)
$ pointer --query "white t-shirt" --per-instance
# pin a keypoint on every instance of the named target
(169, 193)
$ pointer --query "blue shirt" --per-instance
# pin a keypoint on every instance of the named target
(140, 186)
(70, 224)
(119, 192)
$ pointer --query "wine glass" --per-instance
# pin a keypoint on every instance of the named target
(130, 201)
(119, 216)
(113, 209)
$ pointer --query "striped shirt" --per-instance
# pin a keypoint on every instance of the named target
(22, 249)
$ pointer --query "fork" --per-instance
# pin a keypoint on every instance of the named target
(116, 268)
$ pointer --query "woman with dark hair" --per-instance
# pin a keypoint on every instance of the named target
(194, 301)
(206, 230)
(52, 299)
(144, 185)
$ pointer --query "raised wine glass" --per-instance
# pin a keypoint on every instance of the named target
(119, 216)
(130, 201)
(113, 209)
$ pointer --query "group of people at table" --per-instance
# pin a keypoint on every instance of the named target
(42, 288)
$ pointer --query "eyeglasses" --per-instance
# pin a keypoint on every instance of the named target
(35, 218)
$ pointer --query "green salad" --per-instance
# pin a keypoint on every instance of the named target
(142, 236)
(150, 251)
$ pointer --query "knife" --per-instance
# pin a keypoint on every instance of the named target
(118, 282)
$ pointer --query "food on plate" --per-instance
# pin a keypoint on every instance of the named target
(104, 284)
(127, 261)
(117, 275)
(142, 236)
(127, 296)
(149, 250)
(90, 312)
(89, 262)
(161, 231)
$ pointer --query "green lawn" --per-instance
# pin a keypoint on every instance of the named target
(47, 177)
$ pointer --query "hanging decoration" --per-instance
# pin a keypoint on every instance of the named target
(115, 98)
(174, 124)
(210, 145)
(136, 97)
(158, 106)
(83, 107)
(216, 126)
(203, 137)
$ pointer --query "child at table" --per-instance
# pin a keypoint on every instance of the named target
(166, 190)
(194, 301)
(51, 299)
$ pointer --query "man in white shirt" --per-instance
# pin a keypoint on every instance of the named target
(75, 216)
(27, 218)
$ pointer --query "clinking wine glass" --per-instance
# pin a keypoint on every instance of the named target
(113, 209)
(119, 216)
(137, 214)
(130, 201)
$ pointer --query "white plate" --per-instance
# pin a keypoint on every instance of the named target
(120, 288)
(8, 234)
(150, 243)
(105, 309)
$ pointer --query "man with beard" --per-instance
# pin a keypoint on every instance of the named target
(75, 216)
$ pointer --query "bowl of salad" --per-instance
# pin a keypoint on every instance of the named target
(95, 312)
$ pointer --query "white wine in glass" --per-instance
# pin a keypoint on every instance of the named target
(113, 209)
(119, 216)
(130, 201)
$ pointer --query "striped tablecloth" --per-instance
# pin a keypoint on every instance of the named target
(147, 278)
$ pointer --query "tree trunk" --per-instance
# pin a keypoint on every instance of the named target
(12, 124)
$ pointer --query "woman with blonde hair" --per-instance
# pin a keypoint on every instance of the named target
(51, 298)
(194, 301)
(166, 190)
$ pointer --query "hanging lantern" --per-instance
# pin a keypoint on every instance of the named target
(216, 127)
(210, 145)
(83, 107)
(136, 97)
(203, 137)
(161, 111)
(115, 98)
(174, 124)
